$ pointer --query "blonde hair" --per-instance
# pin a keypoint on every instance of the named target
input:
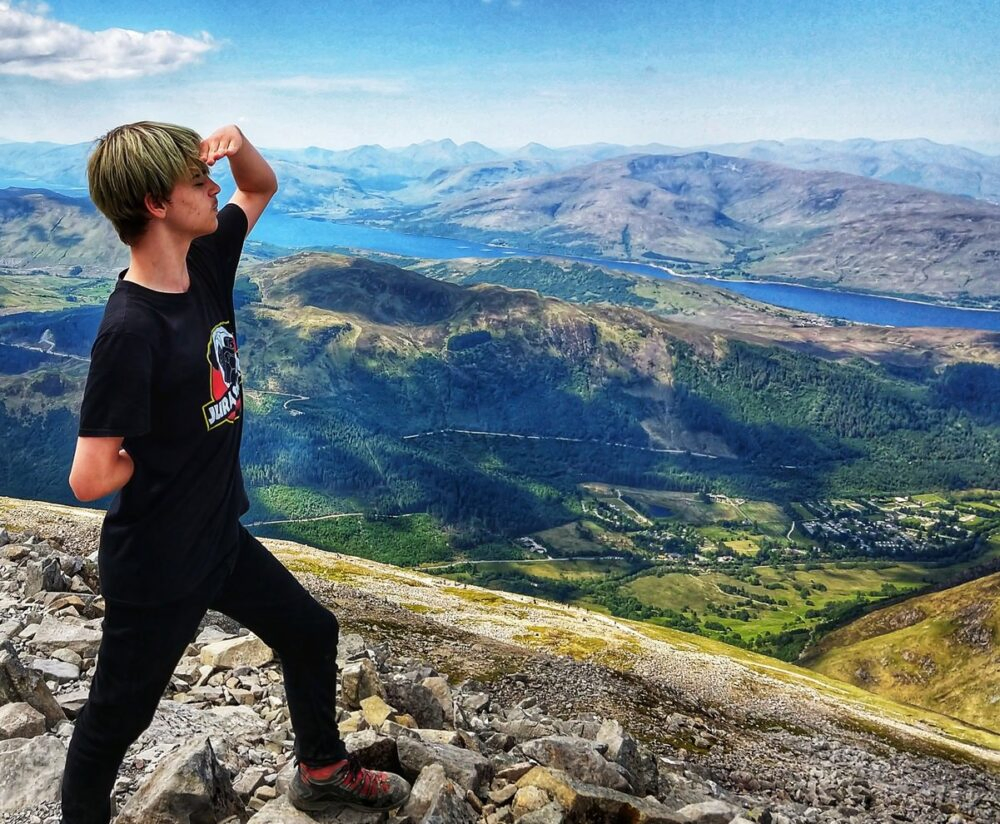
(136, 160)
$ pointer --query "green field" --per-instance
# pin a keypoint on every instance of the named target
(804, 590)
(48, 293)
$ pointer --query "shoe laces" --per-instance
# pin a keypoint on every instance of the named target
(366, 783)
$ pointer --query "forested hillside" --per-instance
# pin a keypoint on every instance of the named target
(388, 392)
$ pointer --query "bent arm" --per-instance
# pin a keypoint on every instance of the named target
(255, 180)
(100, 467)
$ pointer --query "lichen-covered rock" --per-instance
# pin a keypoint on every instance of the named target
(577, 757)
(247, 651)
(418, 701)
(583, 802)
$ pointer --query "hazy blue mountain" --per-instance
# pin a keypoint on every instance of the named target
(941, 168)
(46, 165)
(447, 182)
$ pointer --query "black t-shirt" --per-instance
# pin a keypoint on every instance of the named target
(165, 375)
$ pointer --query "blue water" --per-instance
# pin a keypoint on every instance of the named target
(295, 232)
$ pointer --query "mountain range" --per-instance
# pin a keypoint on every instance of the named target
(710, 212)
(819, 212)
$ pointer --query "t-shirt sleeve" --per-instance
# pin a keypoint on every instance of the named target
(220, 251)
(117, 401)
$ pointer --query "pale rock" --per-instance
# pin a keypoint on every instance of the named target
(248, 650)
(551, 813)
(249, 780)
(374, 751)
(72, 702)
(53, 634)
(440, 736)
(211, 634)
(441, 690)
(187, 787)
(20, 720)
(68, 657)
(30, 771)
(708, 812)
(625, 751)
(58, 671)
(350, 646)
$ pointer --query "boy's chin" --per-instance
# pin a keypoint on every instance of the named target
(214, 226)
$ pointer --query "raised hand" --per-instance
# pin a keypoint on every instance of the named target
(224, 142)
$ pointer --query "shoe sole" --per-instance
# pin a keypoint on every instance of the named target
(306, 805)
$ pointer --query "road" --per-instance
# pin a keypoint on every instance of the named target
(517, 436)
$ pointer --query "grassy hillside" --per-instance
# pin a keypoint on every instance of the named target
(939, 651)
(41, 228)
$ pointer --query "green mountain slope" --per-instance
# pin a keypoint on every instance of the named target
(485, 407)
(939, 651)
(41, 228)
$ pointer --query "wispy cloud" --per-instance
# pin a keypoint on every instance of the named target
(33, 44)
(313, 84)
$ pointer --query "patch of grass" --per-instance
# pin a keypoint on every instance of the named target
(476, 596)
(562, 641)
(420, 609)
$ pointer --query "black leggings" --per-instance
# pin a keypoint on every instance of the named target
(141, 646)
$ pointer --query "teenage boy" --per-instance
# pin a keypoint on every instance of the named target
(160, 424)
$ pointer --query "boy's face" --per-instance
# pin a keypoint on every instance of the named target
(193, 204)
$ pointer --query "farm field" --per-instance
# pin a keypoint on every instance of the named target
(739, 571)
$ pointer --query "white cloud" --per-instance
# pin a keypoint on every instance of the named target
(32, 44)
(313, 84)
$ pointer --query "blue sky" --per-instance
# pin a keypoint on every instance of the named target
(506, 72)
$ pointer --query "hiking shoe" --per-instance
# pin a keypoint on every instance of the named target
(346, 782)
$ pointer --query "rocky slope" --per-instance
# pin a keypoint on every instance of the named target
(499, 708)
(940, 651)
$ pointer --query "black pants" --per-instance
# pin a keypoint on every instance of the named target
(141, 646)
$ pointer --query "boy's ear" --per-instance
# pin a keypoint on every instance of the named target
(155, 207)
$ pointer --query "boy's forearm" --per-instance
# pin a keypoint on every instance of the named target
(94, 475)
(251, 172)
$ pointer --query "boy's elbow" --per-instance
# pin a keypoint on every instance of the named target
(83, 491)
(86, 486)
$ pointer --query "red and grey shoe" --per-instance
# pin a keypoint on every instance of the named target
(346, 782)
